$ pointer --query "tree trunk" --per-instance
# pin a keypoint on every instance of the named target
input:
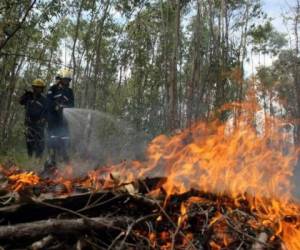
(98, 56)
(195, 75)
(296, 68)
(173, 101)
(75, 41)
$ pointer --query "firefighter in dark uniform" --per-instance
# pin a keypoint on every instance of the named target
(35, 103)
(59, 96)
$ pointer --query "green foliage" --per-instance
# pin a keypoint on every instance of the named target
(122, 54)
(266, 40)
(261, 33)
(267, 77)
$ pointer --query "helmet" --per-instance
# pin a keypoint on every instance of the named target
(66, 74)
(59, 74)
(38, 83)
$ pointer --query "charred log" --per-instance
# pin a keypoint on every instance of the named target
(91, 204)
(25, 232)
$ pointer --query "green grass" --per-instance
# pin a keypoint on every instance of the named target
(21, 160)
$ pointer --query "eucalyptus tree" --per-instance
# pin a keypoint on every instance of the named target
(27, 51)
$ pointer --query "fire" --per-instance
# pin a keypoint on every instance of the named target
(291, 235)
(241, 158)
(210, 159)
(238, 161)
(23, 179)
(183, 215)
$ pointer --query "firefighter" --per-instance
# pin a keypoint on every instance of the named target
(59, 96)
(35, 104)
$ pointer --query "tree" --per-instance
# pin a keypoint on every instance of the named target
(160, 64)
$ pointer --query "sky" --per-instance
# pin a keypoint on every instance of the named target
(275, 9)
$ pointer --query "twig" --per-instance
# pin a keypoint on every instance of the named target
(174, 236)
(94, 244)
(129, 229)
(90, 198)
(98, 199)
(245, 234)
(170, 220)
(8, 200)
(88, 220)
(61, 208)
(115, 241)
(176, 231)
(117, 196)
(93, 205)
(41, 244)
(240, 246)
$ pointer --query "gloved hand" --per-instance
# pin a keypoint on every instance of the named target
(58, 107)
(42, 121)
(27, 92)
(25, 97)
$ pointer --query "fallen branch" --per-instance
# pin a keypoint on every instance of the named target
(262, 238)
(41, 209)
(61, 227)
(41, 244)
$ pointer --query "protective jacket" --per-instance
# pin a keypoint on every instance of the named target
(35, 107)
(35, 121)
(58, 98)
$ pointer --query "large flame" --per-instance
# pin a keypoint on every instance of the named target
(244, 158)
(238, 159)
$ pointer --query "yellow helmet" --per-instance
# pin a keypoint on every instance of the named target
(38, 83)
(66, 74)
(59, 74)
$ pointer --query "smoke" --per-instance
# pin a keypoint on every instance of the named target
(97, 139)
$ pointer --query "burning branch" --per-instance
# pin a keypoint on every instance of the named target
(221, 189)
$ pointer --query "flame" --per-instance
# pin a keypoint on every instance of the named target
(23, 179)
(241, 160)
(214, 161)
(291, 235)
(183, 214)
(214, 246)
(245, 158)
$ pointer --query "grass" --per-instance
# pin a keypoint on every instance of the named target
(21, 160)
